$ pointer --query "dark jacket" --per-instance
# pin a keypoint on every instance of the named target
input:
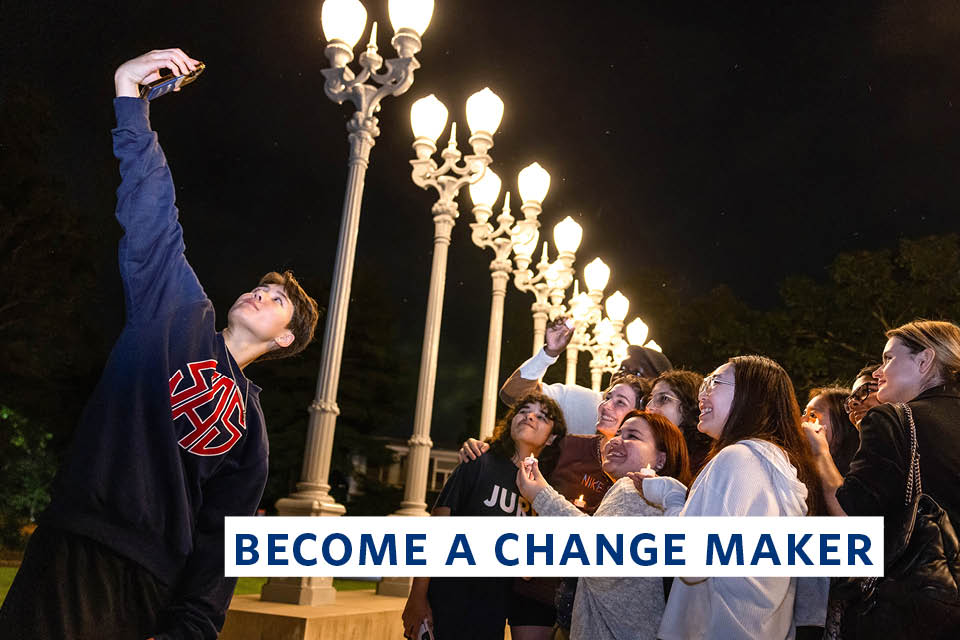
(172, 439)
(875, 485)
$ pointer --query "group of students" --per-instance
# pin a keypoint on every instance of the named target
(733, 443)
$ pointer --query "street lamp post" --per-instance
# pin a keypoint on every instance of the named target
(343, 23)
(552, 278)
(586, 311)
(534, 183)
(484, 112)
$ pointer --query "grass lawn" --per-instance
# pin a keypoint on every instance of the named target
(244, 585)
(6, 579)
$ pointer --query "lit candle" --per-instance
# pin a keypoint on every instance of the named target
(528, 463)
(373, 37)
(580, 502)
(506, 203)
(647, 472)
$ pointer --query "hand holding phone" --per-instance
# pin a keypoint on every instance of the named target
(166, 84)
(425, 633)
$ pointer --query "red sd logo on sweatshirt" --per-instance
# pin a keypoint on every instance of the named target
(211, 404)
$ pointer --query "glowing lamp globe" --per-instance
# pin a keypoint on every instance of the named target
(485, 191)
(410, 14)
(484, 111)
(428, 117)
(343, 20)
(567, 235)
(637, 332)
(534, 183)
(617, 306)
(596, 274)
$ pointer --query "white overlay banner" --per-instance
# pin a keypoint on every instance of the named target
(553, 546)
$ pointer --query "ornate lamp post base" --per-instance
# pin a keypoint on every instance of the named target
(398, 587)
(310, 591)
(305, 505)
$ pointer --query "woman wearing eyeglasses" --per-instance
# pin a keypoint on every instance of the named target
(674, 396)
(760, 465)
(863, 396)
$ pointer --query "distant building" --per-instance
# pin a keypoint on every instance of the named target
(394, 474)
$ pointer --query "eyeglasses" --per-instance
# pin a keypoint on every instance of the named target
(660, 399)
(710, 382)
(624, 370)
(856, 398)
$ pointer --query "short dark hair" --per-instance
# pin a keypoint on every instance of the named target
(302, 323)
(502, 444)
(867, 371)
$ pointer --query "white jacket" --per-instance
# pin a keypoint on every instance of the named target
(749, 478)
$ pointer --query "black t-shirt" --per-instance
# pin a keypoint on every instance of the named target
(476, 607)
(486, 486)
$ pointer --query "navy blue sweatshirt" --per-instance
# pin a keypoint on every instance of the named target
(165, 447)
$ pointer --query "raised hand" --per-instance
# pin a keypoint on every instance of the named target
(557, 336)
(530, 482)
(146, 68)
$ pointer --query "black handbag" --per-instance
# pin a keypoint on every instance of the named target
(918, 595)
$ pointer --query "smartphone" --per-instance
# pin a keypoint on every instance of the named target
(166, 84)
(424, 633)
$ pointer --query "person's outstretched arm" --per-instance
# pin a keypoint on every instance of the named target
(527, 378)
(542, 497)
(156, 275)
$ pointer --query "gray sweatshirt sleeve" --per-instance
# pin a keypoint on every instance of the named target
(550, 503)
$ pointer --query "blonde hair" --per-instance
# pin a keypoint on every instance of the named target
(942, 337)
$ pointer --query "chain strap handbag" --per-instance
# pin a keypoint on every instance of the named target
(918, 595)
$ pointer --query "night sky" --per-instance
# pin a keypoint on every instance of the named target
(715, 143)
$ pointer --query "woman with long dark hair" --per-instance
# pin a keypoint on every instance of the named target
(487, 486)
(760, 465)
(826, 407)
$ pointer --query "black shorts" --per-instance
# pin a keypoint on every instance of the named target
(69, 586)
(523, 611)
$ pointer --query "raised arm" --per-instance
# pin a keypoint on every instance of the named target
(156, 275)
(527, 378)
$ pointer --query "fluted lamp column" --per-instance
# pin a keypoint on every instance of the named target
(484, 112)
(343, 23)
(484, 194)
(603, 334)
(580, 308)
